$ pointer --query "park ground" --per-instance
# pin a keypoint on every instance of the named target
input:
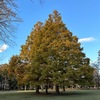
(68, 95)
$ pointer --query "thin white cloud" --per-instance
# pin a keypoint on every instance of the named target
(86, 39)
(3, 47)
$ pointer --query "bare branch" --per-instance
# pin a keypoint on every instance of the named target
(8, 19)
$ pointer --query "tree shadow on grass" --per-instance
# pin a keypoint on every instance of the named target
(51, 95)
(67, 93)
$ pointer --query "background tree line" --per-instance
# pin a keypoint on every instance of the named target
(51, 56)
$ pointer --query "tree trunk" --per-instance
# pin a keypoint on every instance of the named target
(57, 89)
(25, 87)
(46, 88)
(37, 89)
(98, 83)
(63, 88)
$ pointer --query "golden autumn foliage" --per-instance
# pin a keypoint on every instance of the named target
(55, 56)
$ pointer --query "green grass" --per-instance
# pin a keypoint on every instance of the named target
(69, 95)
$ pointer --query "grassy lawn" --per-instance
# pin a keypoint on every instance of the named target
(69, 95)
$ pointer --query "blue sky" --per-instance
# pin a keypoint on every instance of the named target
(82, 18)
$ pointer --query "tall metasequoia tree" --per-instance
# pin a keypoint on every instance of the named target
(54, 54)
(27, 55)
